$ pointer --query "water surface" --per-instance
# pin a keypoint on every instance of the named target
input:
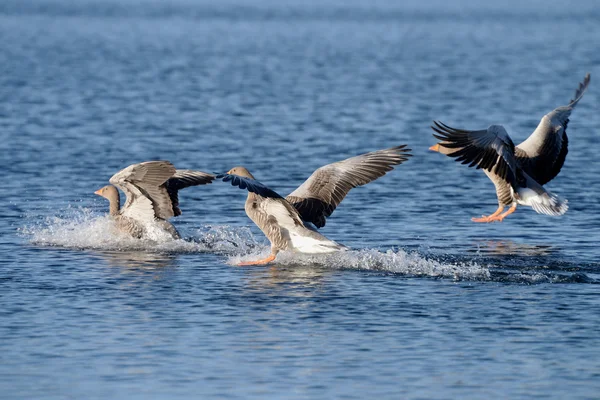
(426, 305)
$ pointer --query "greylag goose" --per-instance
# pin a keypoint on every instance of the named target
(288, 222)
(518, 172)
(152, 195)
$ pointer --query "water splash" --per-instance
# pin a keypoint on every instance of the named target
(395, 261)
(82, 228)
(85, 229)
(226, 239)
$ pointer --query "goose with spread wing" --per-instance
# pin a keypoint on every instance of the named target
(518, 172)
(152, 190)
(289, 223)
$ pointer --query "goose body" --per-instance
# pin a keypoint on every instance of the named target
(518, 172)
(152, 190)
(288, 222)
(284, 228)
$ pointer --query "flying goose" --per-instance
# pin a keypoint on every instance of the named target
(518, 172)
(151, 188)
(288, 222)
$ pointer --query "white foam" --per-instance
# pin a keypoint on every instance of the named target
(85, 229)
(82, 228)
(396, 261)
(227, 239)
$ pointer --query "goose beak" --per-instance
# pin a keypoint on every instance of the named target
(98, 192)
(435, 147)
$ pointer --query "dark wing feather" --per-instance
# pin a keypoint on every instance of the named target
(252, 185)
(182, 179)
(324, 190)
(490, 149)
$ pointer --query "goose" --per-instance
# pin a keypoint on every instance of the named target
(290, 223)
(518, 172)
(152, 189)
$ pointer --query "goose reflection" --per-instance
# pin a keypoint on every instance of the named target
(510, 248)
(138, 259)
(297, 280)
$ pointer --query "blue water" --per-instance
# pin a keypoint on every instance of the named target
(428, 305)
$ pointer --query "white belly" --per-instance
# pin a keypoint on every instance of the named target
(314, 245)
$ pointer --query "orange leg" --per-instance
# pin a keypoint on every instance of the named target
(489, 218)
(259, 262)
(511, 210)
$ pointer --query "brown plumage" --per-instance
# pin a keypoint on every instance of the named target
(518, 172)
(151, 189)
(324, 190)
(286, 221)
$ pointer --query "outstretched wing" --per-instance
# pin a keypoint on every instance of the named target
(147, 198)
(180, 180)
(491, 149)
(324, 190)
(544, 152)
